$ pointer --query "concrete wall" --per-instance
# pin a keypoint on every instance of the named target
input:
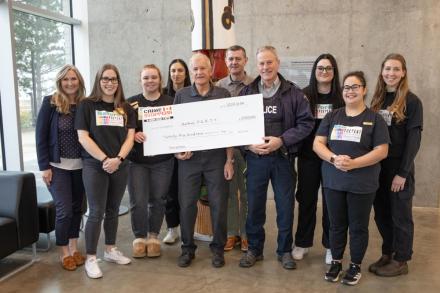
(360, 34)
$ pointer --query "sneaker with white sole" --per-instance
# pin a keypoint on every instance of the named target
(328, 256)
(116, 256)
(335, 271)
(352, 275)
(92, 268)
(299, 252)
(172, 236)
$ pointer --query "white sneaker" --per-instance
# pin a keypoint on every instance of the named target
(116, 256)
(328, 257)
(92, 268)
(172, 236)
(299, 252)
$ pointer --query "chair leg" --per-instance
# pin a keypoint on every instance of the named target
(25, 265)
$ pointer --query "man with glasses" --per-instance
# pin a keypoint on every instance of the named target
(287, 121)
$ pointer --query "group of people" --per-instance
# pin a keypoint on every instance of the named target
(361, 157)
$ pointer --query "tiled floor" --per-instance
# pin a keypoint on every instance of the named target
(163, 275)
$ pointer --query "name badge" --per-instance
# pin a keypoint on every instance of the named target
(387, 116)
(322, 110)
(346, 133)
(104, 118)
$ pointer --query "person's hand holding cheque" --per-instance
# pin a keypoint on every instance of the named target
(183, 155)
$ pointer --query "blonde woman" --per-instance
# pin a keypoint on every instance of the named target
(59, 159)
(149, 176)
(403, 112)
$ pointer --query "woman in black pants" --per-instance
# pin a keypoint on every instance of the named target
(324, 93)
(149, 176)
(351, 141)
(59, 159)
(403, 112)
(105, 124)
(178, 77)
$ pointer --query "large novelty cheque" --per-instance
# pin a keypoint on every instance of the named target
(203, 125)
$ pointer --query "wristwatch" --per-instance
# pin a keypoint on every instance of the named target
(332, 159)
(120, 158)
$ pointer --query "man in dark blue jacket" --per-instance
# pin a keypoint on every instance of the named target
(287, 121)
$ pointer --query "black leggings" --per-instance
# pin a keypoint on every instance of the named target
(349, 211)
(104, 194)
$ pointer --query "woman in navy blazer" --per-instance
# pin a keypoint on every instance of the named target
(59, 159)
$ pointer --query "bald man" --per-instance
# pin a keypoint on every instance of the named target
(214, 166)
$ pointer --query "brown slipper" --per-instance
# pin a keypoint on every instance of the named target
(153, 247)
(68, 263)
(139, 248)
(79, 258)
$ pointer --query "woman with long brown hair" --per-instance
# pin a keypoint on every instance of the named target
(105, 124)
(403, 112)
(325, 95)
(59, 159)
(178, 78)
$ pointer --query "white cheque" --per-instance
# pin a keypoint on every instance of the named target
(203, 125)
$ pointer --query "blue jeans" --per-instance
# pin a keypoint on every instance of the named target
(278, 169)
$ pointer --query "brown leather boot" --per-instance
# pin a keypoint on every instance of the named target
(244, 245)
(382, 261)
(231, 242)
(394, 268)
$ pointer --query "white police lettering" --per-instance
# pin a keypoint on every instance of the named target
(387, 116)
(322, 110)
(270, 110)
(346, 133)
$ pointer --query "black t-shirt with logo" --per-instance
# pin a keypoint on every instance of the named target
(273, 116)
(399, 131)
(137, 153)
(324, 104)
(355, 137)
(107, 126)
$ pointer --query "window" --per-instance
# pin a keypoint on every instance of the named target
(43, 46)
(58, 6)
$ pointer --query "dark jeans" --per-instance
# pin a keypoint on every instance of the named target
(349, 211)
(68, 194)
(172, 208)
(237, 206)
(393, 213)
(104, 193)
(309, 180)
(277, 169)
(148, 183)
(210, 166)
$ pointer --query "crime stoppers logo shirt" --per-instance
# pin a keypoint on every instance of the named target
(104, 118)
(387, 116)
(346, 133)
(322, 110)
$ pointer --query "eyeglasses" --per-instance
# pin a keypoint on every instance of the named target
(113, 80)
(353, 87)
(326, 69)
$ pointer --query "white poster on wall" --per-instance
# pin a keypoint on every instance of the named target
(213, 24)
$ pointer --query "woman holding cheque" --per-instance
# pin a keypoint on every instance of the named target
(351, 141)
(149, 176)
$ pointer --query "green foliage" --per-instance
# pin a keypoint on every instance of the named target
(40, 50)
